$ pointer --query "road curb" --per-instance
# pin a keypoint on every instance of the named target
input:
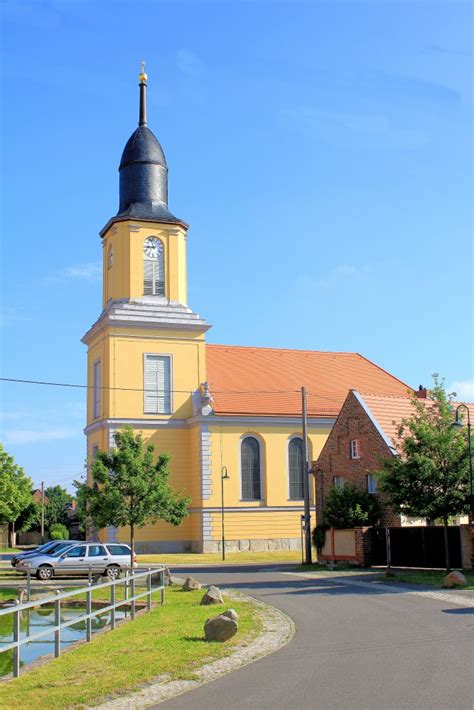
(278, 630)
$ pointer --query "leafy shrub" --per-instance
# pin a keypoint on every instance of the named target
(349, 506)
(58, 532)
(319, 537)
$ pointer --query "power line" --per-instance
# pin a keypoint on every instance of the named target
(142, 389)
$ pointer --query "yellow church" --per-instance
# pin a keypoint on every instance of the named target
(230, 416)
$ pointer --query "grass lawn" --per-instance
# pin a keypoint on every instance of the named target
(169, 639)
(433, 578)
(7, 550)
(231, 558)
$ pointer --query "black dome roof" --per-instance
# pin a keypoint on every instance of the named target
(142, 147)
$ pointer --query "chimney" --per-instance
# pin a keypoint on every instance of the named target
(421, 392)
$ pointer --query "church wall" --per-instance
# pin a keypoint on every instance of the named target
(127, 353)
(271, 523)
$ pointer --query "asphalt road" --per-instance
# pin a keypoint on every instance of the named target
(355, 648)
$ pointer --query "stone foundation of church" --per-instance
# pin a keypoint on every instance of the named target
(269, 545)
(154, 547)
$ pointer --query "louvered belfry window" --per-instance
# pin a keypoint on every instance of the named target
(250, 465)
(157, 384)
(295, 461)
(153, 267)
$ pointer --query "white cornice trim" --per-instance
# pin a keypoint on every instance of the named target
(169, 423)
(172, 423)
(263, 420)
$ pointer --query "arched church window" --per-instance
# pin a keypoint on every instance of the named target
(250, 468)
(153, 267)
(295, 468)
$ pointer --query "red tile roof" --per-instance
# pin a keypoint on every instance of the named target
(389, 411)
(268, 381)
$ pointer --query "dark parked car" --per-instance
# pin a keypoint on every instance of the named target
(47, 549)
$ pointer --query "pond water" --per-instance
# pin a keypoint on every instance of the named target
(33, 621)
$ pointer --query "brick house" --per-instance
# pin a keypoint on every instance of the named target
(364, 432)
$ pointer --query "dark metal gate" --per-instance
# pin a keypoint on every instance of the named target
(416, 546)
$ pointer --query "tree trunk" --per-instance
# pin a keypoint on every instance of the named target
(132, 544)
(446, 546)
(11, 535)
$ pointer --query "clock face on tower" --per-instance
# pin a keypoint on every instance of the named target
(152, 248)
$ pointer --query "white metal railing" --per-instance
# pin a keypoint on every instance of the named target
(129, 582)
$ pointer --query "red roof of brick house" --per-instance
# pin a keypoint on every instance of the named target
(268, 381)
(388, 411)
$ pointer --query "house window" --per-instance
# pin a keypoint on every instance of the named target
(338, 482)
(153, 267)
(157, 379)
(96, 393)
(95, 451)
(295, 468)
(372, 483)
(355, 449)
(250, 468)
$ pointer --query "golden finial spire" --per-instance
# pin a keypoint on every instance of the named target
(142, 76)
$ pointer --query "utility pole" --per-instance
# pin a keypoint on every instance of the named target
(42, 512)
(307, 512)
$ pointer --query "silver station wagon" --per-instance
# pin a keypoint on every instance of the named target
(102, 559)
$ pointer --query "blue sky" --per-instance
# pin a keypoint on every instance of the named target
(321, 152)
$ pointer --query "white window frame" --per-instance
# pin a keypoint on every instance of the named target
(171, 403)
(372, 483)
(294, 436)
(96, 390)
(354, 449)
(262, 463)
(338, 482)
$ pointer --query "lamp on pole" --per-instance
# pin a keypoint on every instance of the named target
(458, 422)
(224, 477)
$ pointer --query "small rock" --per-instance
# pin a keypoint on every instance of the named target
(231, 614)
(190, 583)
(455, 579)
(220, 628)
(176, 581)
(212, 596)
(166, 577)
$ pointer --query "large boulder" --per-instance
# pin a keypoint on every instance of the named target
(220, 628)
(231, 614)
(455, 579)
(190, 584)
(212, 596)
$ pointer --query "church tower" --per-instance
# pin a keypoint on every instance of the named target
(146, 352)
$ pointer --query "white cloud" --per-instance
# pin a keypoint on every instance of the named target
(86, 272)
(29, 436)
(464, 389)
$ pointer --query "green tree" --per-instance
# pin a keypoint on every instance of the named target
(350, 506)
(55, 509)
(29, 518)
(15, 491)
(429, 478)
(129, 488)
(59, 532)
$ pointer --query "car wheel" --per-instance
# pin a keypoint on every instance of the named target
(44, 573)
(112, 572)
